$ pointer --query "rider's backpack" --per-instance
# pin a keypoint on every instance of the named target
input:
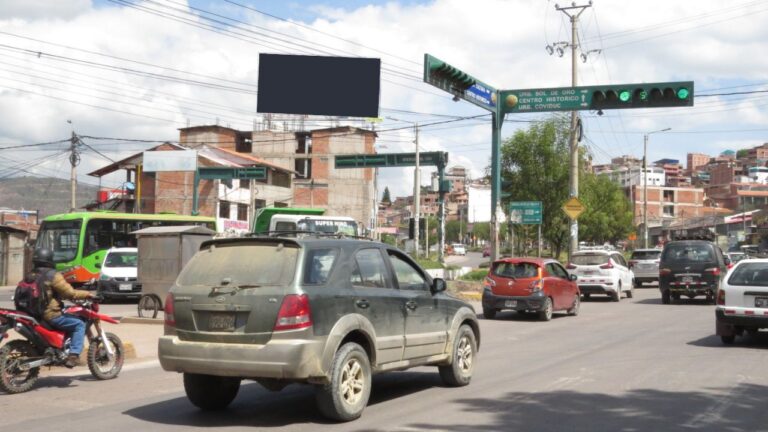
(31, 296)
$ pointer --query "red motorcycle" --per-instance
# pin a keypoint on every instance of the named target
(21, 359)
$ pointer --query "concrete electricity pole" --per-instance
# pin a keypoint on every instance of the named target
(416, 195)
(574, 146)
(74, 160)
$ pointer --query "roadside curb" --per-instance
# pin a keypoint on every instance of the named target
(128, 348)
(137, 320)
(469, 295)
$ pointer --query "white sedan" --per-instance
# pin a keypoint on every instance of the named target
(742, 300)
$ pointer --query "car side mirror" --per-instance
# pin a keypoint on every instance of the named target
(572, 277)
(98, 265)
(727, 261)
(438, 285)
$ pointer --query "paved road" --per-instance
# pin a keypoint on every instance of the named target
(636, 365)
(471, 259)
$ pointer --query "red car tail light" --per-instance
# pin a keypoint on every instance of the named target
(571, 266)
(715, 271)
(632, 263)
(488, 282)
(294, 313)
(665, 271)
(170, 319)
(721, 297)
(607, 266)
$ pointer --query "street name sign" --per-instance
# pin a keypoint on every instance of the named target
(525, 212)
(573, 208)
(391, 160)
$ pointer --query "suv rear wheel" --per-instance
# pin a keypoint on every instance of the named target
(459, 372)
(344, 398)
(665, 298)
(209, 392)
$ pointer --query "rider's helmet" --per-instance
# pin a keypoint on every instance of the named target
(43, 257)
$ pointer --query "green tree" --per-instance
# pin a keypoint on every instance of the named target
(608, 214)
(536, 163)
(453, 229)
(386, 198)
(742, 153)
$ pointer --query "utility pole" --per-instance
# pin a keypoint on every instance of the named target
(416, 195)
(574, 146)
(645, 185)
(74, 160)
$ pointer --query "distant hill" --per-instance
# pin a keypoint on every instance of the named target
(48, 195)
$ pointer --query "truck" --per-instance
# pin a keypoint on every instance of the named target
(288, 219)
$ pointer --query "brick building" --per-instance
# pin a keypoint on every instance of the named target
(696, 161)
(669, 204)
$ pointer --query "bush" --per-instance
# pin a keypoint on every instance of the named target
(474, 275)
(427, 264)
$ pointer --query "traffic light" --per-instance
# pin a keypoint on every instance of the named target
(670, 94)
(445, 76)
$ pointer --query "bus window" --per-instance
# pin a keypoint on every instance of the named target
(61, 237)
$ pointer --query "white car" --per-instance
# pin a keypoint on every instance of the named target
(602, 272)
(742, 300)
(459, 249)
(118, 278)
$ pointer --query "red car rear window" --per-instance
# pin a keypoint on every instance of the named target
(521, 270)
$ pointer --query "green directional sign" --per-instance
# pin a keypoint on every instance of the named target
(525, 212)
(222, 173)
(460, 84)
(391, 160)
(615, 96)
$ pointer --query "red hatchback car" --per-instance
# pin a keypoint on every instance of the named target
(536, 285)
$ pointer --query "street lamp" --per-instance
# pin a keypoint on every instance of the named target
(416, 189)
(645, 184)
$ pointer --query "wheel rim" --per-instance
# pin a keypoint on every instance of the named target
(464, 354)
(103, 363)
(352, 382)
(576, 304)
(11, 372)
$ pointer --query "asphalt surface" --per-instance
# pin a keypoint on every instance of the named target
(636, 365)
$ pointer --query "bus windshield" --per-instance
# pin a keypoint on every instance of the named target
(61, 237)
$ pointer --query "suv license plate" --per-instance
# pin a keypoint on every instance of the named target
(221, 322)
(687, 279)
(761, 302)
(510, 303)
(125, 287)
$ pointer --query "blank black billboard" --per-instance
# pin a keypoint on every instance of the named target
(333, 86)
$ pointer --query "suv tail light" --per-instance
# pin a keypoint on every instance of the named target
(170, 319)
(665, 271)
(715, 271)
(294, 313)
(607, 266)
(488, 282)
(571, 266)
(632, 263)
(721, 297)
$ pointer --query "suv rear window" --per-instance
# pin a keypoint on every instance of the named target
(251, 264)
(516, 270)
(755, 274)
(688, 252)
(590, 259)
(646, 255)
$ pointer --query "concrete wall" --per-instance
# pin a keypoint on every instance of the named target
(11, 257)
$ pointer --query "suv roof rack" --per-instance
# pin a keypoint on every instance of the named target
(314, 233)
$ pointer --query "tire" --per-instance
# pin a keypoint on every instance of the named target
(459, 372)
(489, 313)
(636, 283)
(728, 340)
(345, 397)
(631, 293)
(665, 297)
(616, 296)
(587, 296)
(209, 392)
(574, 310)
(546, 313)
(99, 363)
(13, 380)
(149, 305)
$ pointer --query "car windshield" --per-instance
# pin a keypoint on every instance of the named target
(755, 274)
(646, 255)
(121, 259)
(243, 264)
(737, 257)
(589, 259)
(688, 252)
(516, 270)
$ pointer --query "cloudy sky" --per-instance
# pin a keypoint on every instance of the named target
(139, 69)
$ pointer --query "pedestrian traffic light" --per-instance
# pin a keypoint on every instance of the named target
(669, 94)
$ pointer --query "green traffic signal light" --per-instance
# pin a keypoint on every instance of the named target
(683, 93)
(624, 95)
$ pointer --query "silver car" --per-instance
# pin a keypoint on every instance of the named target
(645, 264)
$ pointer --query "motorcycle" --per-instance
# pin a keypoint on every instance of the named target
(21, 359)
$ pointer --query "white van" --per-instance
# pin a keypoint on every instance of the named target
(118, 278)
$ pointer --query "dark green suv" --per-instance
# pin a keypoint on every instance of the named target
(324, 311)
(690, 268)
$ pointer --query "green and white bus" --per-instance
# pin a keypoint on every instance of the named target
(79, 240)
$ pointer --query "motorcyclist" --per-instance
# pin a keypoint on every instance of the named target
(57, 289)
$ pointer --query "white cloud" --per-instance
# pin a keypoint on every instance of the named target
(42, 9)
